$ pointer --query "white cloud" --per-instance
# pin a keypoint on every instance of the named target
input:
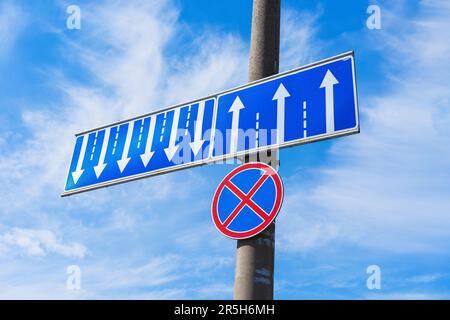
(393, 195)
(127, 50)
(220, 63)
(155, 272)
(135, 68)
(12, 22)
(39, 243)
(298, 39)
(388, 187)
(170, 276)
(426, 278)
(131, 66)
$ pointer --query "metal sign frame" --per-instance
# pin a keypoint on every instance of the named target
(212, 159)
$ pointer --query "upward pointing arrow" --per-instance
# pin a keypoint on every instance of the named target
(172, 148)
(122, 163)
(196, 145)
(148, 154)
(235, 109)
(280, 95)
(328, 83)
(101, 161)
(78, 171)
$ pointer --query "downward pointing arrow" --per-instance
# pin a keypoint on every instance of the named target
(172, 148)
(122, 163)
(280, 95)
(148, 154)
(328, 83)
(101, 161)
(197, 144)
(78, 171)
(235, 109)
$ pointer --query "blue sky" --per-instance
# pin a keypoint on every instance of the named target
(378, 198)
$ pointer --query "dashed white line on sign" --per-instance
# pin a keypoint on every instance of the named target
(304, 120)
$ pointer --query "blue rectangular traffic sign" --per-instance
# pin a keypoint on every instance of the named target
(310, 103)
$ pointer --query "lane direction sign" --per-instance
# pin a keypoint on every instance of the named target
(247, 200)
(310, 103)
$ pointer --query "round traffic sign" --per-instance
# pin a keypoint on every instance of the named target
(247, 200)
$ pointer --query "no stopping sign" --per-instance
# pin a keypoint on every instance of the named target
(247, 200)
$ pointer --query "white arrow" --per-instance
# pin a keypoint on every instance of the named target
(280, 95)
(198, 141)
(328, 83)
(101, 161)
(78, 171)
(148, 154)
(172, 148)
(235, 109)
(125, 159)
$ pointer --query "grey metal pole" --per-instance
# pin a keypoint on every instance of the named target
(265, 39)
(255, 256)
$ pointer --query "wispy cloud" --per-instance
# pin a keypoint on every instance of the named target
(13, 19)
(130, 74)
(38, 243)
(299, 43)
(397, 177)
(426, 278)
(131, 70)
(388, 187)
